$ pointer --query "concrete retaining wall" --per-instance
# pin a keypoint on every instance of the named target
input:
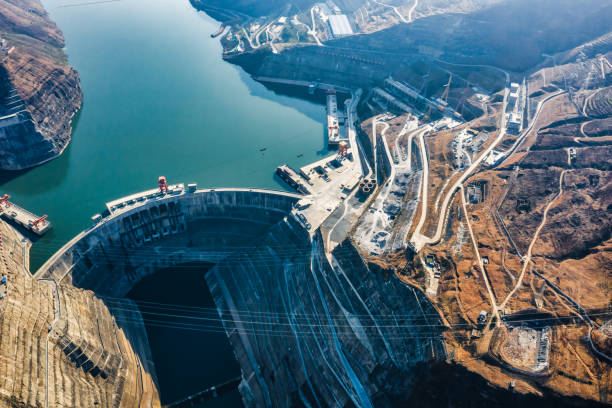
(111, 257)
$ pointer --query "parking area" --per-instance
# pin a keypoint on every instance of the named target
(330, 181)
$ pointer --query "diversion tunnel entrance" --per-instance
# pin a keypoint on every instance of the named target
(190, 349)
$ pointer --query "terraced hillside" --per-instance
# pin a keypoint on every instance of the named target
(599, 104)
(60, 346)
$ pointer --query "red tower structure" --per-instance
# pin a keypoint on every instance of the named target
(40, 220)
(5, 200)
(163, 185)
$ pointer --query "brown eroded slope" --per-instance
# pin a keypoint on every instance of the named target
(61, 347)
(39, 91)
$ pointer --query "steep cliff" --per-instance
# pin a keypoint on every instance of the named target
(39, 91)
(61, 347)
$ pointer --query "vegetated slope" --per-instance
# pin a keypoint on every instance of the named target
(29, 17)
(40, 92)
(598, 127)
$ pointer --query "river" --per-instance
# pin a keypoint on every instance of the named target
(158, 100)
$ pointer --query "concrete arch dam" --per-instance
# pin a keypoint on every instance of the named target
(305, 331)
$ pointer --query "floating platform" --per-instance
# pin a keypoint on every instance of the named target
(25, 218)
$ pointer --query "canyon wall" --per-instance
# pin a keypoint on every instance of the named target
(61, 347)
(39, 91)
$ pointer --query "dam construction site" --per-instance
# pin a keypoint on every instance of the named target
(346, 279)
(444, 241)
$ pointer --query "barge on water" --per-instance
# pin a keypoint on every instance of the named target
(291, 177)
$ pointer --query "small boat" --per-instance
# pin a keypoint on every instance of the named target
(300, 155)
(263, 149)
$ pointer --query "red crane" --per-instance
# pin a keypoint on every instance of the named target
(163, 185)
(40, 220)
(5, 200)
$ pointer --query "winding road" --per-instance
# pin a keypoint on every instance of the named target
(526, 132)
(404, 20)
(419, 240)
(527, 258)
(411, 11)
(424, 189)
(312, 31)
(494, 308)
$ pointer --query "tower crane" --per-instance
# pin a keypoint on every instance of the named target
(444, 96)
(40, 220)
(163, 185)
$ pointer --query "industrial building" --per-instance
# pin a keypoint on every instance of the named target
(515, 123)
(339, 25)
(391, 100)
(513, 96)
(334, 121)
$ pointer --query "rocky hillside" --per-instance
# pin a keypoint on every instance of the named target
(70, 351)
(39, 91)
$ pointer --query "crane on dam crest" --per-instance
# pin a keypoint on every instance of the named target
(163, 184)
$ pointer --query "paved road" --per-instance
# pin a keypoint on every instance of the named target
(411, 11)
(320, 85)
(352, 134)
(494, 308)
(586, 101)
(313, 30)
(396, 11)
(418, 239)
(526, 132)
(249, 39)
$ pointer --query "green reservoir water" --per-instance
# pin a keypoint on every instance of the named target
(158, 100)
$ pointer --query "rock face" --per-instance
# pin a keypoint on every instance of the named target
(61, 347)
(39, 91)
(339, 334)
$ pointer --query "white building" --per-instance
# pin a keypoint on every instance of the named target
(340, 25)
(515, 122)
